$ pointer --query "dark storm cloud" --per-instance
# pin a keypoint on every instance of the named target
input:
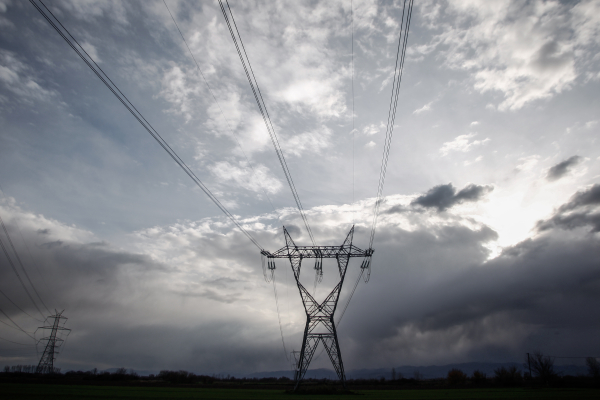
(562, 168)
(208, 348)
(582, 210)
(79, 271)
(437, 294)
(443, 197)
(399, 208)
(211, 294)
(586, 197)
(433, 297)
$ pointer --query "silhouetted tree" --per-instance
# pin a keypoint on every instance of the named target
(178, 376)
(456, 377)
(593, 367)
(542, 366)
(508, 376)
(478, 377)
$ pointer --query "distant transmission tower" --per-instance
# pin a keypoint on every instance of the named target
(53, 343)
(320, 326)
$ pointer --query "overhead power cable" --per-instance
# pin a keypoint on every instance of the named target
(263, 110)
(29, 252)
(400, 55)
(22, 267)
(15, 324)
(220, 109)
(23, 311)
(279, 317)
(362, 271)
(353, 130)
(9, 325)
(10, 341)
(402, 41)
(10, 262)
(65, 34)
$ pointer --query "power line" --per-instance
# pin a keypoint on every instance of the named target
(400, 55)
(10, 261)
(220, 109)
(137, 115)
(22, 267)
(10, 341)
(351, 294)
(17, 325)
(395, 91)
(9, 325)
(264, 112)
(571, 357)
(29, 252)
(353, 129)
(279, 317)
(14, 304)
(345, 305)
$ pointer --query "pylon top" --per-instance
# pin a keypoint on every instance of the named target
(291, 250)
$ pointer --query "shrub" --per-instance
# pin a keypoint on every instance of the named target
(456, 377)
(177, 376)
(593, 367)
(508, 376)
(478, 377)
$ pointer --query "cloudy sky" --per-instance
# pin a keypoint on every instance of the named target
(487, 243)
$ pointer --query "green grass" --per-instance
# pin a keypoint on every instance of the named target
(65, 392)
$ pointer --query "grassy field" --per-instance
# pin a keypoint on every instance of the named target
(39, 391)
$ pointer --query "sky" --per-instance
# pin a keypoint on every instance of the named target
(487, 242)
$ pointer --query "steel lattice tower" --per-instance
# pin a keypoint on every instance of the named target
(320, 326)
(46, 364)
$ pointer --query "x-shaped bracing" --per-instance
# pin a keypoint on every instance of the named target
(320, 326)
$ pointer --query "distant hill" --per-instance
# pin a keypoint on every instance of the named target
(427, 372)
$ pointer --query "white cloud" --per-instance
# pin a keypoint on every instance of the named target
(256, 178)
(527, 163)
(19, 79)
(586, 19)
(470, 162)
(426, 107)
(182, 89)
(474, 123)
(313, 142)
(239, 121)
(4, 5)
(290, 55)
(462, 143)
(578, 126)
(525, 50)
(370, 145)
(91, 50)
(372, 129)
(92, 9)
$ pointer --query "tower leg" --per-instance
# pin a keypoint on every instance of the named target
(309, 345)
(332, 346)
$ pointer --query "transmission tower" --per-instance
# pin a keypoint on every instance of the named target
(53, 343)
(320, 326)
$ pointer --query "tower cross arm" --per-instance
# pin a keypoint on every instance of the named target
(318, 252)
